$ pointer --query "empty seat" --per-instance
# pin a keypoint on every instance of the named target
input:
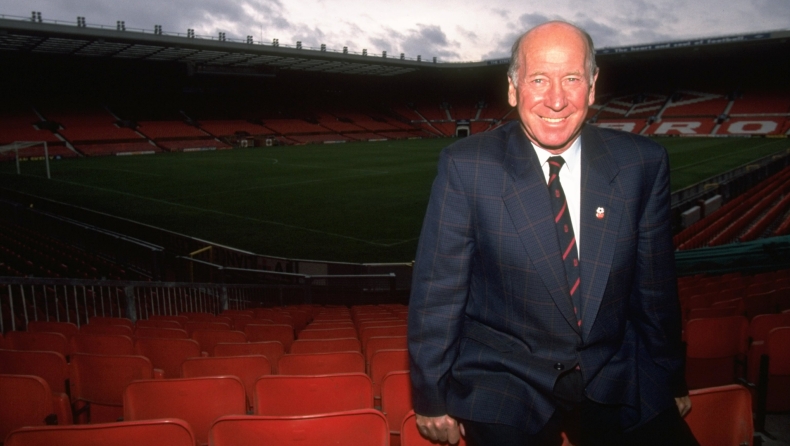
(274, 332)
(759, 327)
(198, 401)
(377, 343)
(157, 323)
(326, 345)
(98, 344)
(366, 427)
(246, 368)
(721, 415)
(191, 326)
(107, 320)
(778, 385)
(272, 350)
(65, 328)
(715, 347)
(180, 319)
(159, 332)
(44, 341)
(26, 401)
(384, 362)
(322, 363)
(166, 432)
(99, 329)
(167, 354)
(209, 338)
(51, 366)
(306, 395)
(396, 401)
(369, 332)
(98, 381)
(328, 333)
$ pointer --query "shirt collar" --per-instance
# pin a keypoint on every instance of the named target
(571, 156)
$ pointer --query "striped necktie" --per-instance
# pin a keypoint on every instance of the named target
(565, 234)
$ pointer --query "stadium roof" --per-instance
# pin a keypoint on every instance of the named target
(217, 55)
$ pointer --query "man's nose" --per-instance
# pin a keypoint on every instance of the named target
(556, 98)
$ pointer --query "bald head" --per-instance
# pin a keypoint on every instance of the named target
(548, 31)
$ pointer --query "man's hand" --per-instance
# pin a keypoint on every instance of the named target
(684, 405)
(443, 428)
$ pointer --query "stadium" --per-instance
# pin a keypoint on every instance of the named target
(181, 207)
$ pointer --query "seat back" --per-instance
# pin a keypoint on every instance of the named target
(158, 332)
(328, 333)
(377, 343)
(166, 432)
(384, 362)
(410, 436)
(156, 323)
(778, 351)
(366, 427)
(65, 328)
(713, 346)
(271, 332)
(98, 344)
(396, 401)
(190, 326)
(272, 350)
(366, 333)
(167, 354)
(278, 395)
(721, 415)
(101, 329)
(26, 401)
(198, 401)
(326, 345)
(180, 319)
(209, 338)
(322, 363)
(98, 381)
(106, 320)
(50, 366)
(43, 341)
(246, 368)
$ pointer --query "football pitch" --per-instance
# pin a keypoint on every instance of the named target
(353, 202)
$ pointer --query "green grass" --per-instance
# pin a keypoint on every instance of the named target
(357, 202)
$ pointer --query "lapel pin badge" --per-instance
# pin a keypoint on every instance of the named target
(599, 213)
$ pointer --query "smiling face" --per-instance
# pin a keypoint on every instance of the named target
(554, 87)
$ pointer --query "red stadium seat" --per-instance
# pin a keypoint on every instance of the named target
(366, 427)
(384, 362)
(721, 415)
(272, 350)
(715, 347)
(26, 401)
(101, 344)
(210, 338)
(322, 363)
(67, 329)
(166, 432)
(396, 402)
(272, 332)
(198, 401)
(167, 354)
(246, 368)
(326, 345)
(314, 394)
(98, 381)
(44, 341)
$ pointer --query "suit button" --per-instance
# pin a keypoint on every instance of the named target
(559, 366)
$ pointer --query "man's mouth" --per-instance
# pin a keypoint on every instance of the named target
(552, 120)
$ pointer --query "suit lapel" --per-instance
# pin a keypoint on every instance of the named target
(527, 202)
(598, 229)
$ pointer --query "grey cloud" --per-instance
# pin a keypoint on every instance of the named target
(428, 41)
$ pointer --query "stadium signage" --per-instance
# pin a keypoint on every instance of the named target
(684, 43)
(692, 128)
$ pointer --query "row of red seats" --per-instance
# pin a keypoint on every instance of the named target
(727, 222)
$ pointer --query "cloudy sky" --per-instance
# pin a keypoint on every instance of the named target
(460, 30)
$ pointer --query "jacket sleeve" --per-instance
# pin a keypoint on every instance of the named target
(654, 305)
(440, 286)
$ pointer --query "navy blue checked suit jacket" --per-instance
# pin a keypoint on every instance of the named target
(491, 322)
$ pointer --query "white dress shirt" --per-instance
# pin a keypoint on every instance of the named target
(571, 180)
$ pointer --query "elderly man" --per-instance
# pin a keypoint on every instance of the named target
(516, 333)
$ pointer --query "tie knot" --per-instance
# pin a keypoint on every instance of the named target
(555, 164)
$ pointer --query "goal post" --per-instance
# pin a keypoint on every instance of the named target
(16, 145)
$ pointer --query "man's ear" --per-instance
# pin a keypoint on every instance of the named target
(512, 93)
(591, 98)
